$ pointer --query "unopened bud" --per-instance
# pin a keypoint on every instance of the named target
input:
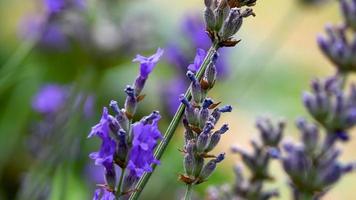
(131, 101)
(210, 167)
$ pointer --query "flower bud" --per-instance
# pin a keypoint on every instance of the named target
(191, 147)
(210, 167)
(202, 142)
(113, 124)
(188, 164)
(123, 120)
(215, 138)
(196, 88)
(131, 101)
(210, 74)
(203, 117)
(114, 106)
(224, 109)
(139, 84)
(209, 18)
(232, 23)
(122, 148)
(150, 118)
(190, 112)
(188, 134)
(220, 14)
(199, 163)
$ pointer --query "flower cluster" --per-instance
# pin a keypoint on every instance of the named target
(331, 107)
(257, 163)
(125, 144)
(200, 117)
(337, 46)
(224, 18)
(313, 166)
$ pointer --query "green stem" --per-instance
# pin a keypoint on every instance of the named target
(343, 77)
(188, 192)
(118, 189)
(174, 124)
(306, 196)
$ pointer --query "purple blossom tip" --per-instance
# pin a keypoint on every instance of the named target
(342, 135)
(191, 76)
(215, 57)
(148, 63)
(114, 106)
(220, 157)
(227, 108)
(130, 91)
(208, 127)
(207, 102)
(224, 128)
(198, 60)
(102, 128)
(184, 100)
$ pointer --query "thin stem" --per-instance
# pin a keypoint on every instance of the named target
(188, 192)
(305, 196)
(118, 189)
(174, 124)
(343, 77)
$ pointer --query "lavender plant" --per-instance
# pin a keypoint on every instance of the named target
(200, 117)
(313, 166)
(223, 19)
(252, 188)
(127, 145)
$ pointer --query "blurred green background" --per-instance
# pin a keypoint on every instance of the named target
(269, 69)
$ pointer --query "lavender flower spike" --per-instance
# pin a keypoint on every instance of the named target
(147, 64)
(125, 144)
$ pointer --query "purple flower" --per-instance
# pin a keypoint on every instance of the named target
(49, 99)
(148, 63)
(55, 6)
(102, 128)
(103, 194)
(107, 150)
(198, 60)
(145, 136)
